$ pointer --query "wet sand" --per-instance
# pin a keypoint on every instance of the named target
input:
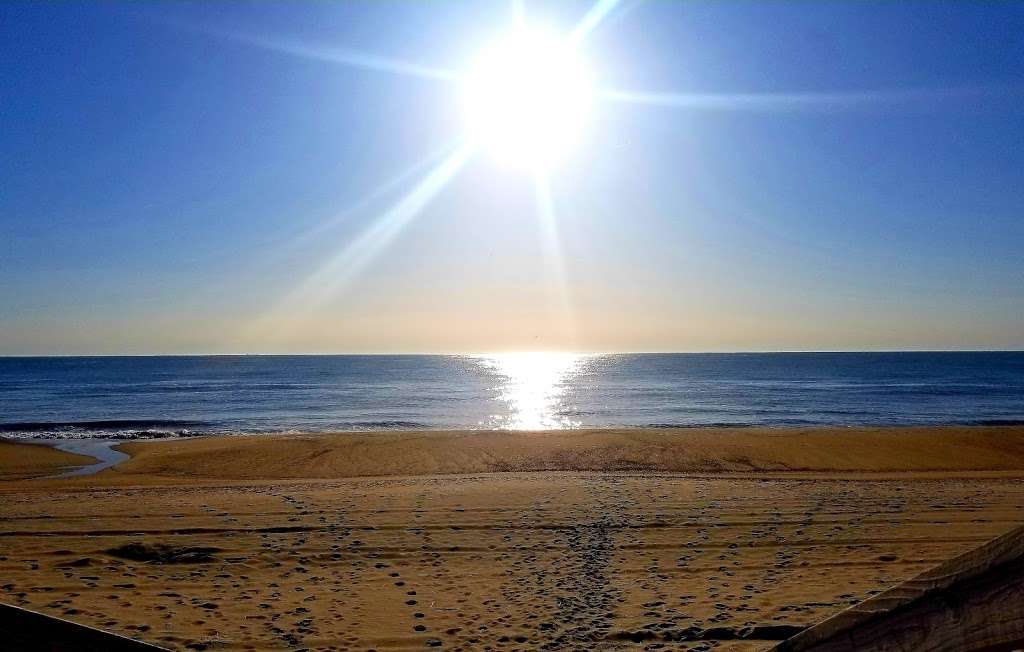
(19, 461)
(264, 552)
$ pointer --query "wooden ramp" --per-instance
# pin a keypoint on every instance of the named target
(971, 603)
(22, 630)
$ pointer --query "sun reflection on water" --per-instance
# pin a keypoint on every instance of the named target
(535, 387)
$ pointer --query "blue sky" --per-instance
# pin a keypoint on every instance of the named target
(191, 177)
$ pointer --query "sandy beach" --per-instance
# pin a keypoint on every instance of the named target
(608, 539)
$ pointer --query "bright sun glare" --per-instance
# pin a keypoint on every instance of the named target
(527, 98)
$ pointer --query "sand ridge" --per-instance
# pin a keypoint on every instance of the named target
(694, 450)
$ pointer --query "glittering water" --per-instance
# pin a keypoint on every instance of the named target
(166, 396)
(533, 388)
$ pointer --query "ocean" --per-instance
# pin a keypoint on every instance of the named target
(153, 397)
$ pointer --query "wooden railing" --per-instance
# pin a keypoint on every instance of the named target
(971, 603)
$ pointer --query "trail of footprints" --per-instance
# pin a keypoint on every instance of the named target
(530, 561)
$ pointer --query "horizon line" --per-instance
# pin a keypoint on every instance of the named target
(507, 352)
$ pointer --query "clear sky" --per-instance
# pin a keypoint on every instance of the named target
(231, 177)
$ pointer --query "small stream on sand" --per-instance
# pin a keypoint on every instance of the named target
(101, 449)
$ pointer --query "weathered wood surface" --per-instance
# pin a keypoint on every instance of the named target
(22, 630)
(972, 603)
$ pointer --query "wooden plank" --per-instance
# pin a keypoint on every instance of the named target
(974, 602)
(23, 630)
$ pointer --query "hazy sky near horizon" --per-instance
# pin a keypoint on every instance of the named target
(252, 177)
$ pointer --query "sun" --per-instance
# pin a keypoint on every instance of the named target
(527, 98)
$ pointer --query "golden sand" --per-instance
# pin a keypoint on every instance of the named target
(639, 539)
(702, 450)
(18, 461)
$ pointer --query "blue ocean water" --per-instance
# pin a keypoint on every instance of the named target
(127, 397)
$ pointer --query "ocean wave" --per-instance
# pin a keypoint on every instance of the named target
(708, 424)
(129, 429)
(102, 424)
(381, 425)
(106, 428)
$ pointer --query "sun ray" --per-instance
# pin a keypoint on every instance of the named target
(338, 55)
(518, 13)
(366, 201)
(783, 101)
(340, 269)
(554, 258)
(356, 59)
(598, 12)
